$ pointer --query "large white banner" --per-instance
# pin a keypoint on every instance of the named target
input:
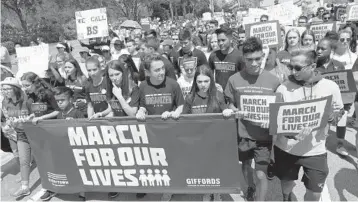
(33, 59)
(91, 23)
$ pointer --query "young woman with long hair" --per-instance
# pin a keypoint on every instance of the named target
(308, 39)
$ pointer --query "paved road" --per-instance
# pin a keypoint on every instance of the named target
(342, 182)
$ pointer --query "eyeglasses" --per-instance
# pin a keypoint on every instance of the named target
(189, 70)
(345, 39)
(297, 68)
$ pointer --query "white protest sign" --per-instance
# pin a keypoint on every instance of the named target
(256, 107)
(33, 59)
(283, 12)
(352, 12)
(207, 16)
(91, 23)
(268, 32)
(320, 30)
(249, 20)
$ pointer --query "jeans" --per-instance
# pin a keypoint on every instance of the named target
(22, 150)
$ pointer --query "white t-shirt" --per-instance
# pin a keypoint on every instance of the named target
(185, 85)
(348, 59)
(315, 143)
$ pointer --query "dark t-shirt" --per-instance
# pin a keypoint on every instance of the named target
(196, 55)
(242, 83)
(72, 113)
(199, 105)
(44, 106)
(225, 65)
(169, 69)
(157, 99)
(97, 95)
(117, 107)
(284, 57)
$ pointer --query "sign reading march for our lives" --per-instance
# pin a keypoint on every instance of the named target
(352, 12)
(290, 118)
(344, 79)
(256, 107)
(91, 23)
(320, 30)
(268, 32)
(33, 59)
(124, 155)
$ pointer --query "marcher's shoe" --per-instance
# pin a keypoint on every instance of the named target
(21, 192)
(47, 195)
(342, 151)
(250, 195)
(166, 197)
(207, 197)
(113, 194)
(271, 171)
(217, 197)
(140, 195)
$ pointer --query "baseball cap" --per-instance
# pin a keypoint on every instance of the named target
(11, 81)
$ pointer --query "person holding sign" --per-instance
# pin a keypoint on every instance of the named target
(226, 61)
(159, 95)
(187, 50)
(307, 148)
(246, 92)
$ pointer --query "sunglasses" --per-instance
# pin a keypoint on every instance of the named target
(297, 68)
(345, 39)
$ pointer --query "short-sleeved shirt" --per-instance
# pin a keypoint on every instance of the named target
(157, 99)
(47, 105)
(198, 104)
(196, 54)
(72, 113)
(225, 65)
(284, 57)
(185, 85)
(97, 95)
(79, 87)
(133, 102)
(242, 82)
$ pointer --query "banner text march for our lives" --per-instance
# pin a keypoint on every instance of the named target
(267, 32)
(345, 80)
(123, 155)
(91, 23)
(320, 30)
(290, 118)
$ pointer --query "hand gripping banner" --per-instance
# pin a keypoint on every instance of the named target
(195, 154)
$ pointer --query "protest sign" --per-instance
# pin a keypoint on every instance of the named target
(352, 12)
(91, 23)
(145, 24)
(284, 12)
(206, 16)
(249, 20)
(187, 62)
(321, 29)
(256, 107)
(344, 79)
(33, 59)
(123, 155)
(339, 12)
(289, 118)
(268, 32)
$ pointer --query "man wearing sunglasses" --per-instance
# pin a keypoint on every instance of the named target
(255, 141)
(306, 149)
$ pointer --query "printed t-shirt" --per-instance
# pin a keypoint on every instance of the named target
(97, 95)
(169, 69)
(196, 55)
(72, 113)
(348, 59)
(157, 99)
(185, 86)
(133, 102)
(199, 105)
(242, 82)
(225, 65)
(45, 106)
(284, 57)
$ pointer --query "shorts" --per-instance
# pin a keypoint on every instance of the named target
(287, 167)
(258, 150)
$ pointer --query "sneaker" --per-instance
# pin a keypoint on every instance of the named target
(166, 197)
(342, 151)
(140, 195)
(207, 197)
(21, 192)
(250, 195)
(271, 171)
(113, 194)
(217, 197)
(47, 195)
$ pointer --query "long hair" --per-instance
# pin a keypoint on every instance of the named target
(127, 59)
(210, 48)
(78, 70)
(353, 43)
(212, 91)
(42, 88)
(308, 32)
(119, 66)
(19, 94)
(286, 38)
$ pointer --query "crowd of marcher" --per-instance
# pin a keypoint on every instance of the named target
(198, 69)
